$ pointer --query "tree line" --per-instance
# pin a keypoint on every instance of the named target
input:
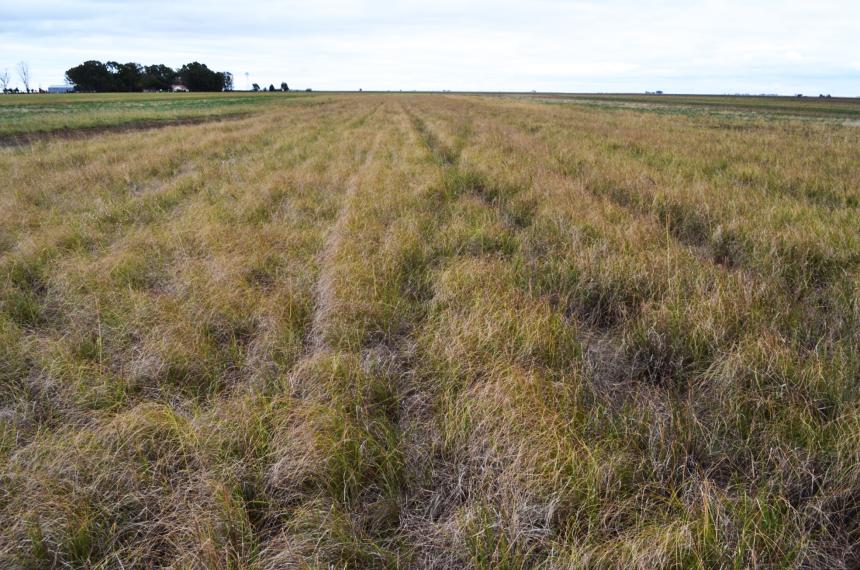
(284, 87)
(129, 77)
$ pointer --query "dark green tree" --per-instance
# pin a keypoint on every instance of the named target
(198, 77)
(114, 76)
(126, 76)
(91, 76)
(285, 87)
(158, 77)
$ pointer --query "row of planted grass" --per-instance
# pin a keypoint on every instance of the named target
(155, 235)
(742, 195)
(714, 391)
(344, 468)
(142, 390)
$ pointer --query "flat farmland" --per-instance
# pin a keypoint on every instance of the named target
(428, 331)
(24, 118)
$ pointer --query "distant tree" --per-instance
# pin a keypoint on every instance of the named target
(126, 76)
(255, 87)
(271, 88)
(285, 87)
(114, 76)
(24, 74)
(91, 76)
(198, 77)
(157, 77)
(4, 80)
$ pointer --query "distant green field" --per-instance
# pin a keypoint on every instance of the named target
(837, 108)
(25, 114)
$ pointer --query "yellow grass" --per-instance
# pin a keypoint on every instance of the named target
(427, 331)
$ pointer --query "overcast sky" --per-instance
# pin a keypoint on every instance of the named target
(728, 46)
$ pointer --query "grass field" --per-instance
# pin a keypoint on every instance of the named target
(428, 331)
(31, 115)
(768, 107)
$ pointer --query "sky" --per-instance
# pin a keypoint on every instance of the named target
(709, 46)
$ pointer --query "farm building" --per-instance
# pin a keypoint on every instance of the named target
(179, 88)
(61, 89)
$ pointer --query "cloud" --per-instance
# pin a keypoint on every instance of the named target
(717, 46)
